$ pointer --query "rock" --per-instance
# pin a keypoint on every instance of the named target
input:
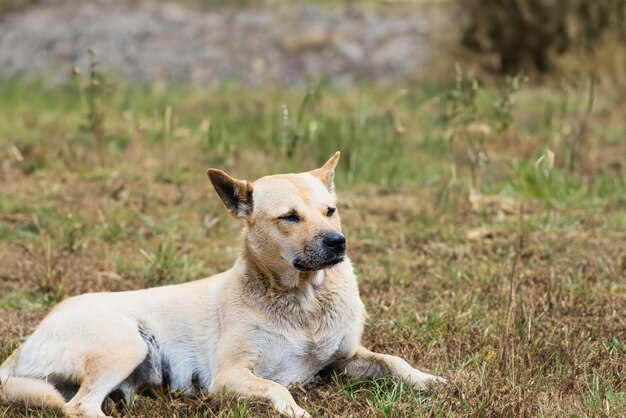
(147, 41)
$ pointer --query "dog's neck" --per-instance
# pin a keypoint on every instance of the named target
(287, 297)
(275, 272)
(280, 277)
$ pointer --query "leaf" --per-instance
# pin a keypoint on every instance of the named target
(545, 163)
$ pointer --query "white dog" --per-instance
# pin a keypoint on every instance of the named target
(288, 308)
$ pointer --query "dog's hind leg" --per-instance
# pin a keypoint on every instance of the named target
(104, 371)
(365, 363)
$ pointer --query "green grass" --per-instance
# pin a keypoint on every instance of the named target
(477, 258)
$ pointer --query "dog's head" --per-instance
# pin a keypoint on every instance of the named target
(292, 219)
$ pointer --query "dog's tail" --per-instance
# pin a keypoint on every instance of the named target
(25, 389)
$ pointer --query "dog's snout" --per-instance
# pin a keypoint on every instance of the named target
(334, 240)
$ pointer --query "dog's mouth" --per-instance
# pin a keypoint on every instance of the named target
(302, 266)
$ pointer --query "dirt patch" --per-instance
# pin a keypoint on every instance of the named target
(19, 324)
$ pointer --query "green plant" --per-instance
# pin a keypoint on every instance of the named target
(91, 92)
(503, 108)
(382, 394)
(294, 132)
(50, 275)
(460, 102)
(169, 263)
(465, 127)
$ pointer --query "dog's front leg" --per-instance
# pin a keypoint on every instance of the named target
(365, 363)
(242, 382)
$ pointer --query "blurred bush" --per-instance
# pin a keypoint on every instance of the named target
(9, 5)
(529, 34)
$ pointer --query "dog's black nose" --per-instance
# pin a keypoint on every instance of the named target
(334, 240)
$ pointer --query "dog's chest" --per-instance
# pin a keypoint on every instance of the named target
(295, 359)
(295, 349)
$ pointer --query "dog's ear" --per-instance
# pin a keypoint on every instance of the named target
(326, 173)
(236, 194)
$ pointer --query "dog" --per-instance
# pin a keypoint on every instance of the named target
(287, 309)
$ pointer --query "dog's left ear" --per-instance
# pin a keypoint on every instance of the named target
(235, 194)
(326, 173)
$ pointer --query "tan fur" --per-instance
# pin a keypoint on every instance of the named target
(288, 308)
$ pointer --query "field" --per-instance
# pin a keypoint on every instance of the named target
(486, 222)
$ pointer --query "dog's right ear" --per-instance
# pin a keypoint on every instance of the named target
(326, 173)
(235, 194)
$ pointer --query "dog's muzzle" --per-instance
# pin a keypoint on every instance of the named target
(328, 251)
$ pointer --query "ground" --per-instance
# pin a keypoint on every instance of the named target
(487, 226)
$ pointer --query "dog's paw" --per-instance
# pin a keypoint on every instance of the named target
(292, 411)
(297, 413)
(302, 414)
(438, 380)
(420, 380)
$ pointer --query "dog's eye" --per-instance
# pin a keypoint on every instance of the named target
(291, 217)
(330, 212)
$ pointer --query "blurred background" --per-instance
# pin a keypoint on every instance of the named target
(482, 180)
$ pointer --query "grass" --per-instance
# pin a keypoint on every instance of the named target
(486, 249)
